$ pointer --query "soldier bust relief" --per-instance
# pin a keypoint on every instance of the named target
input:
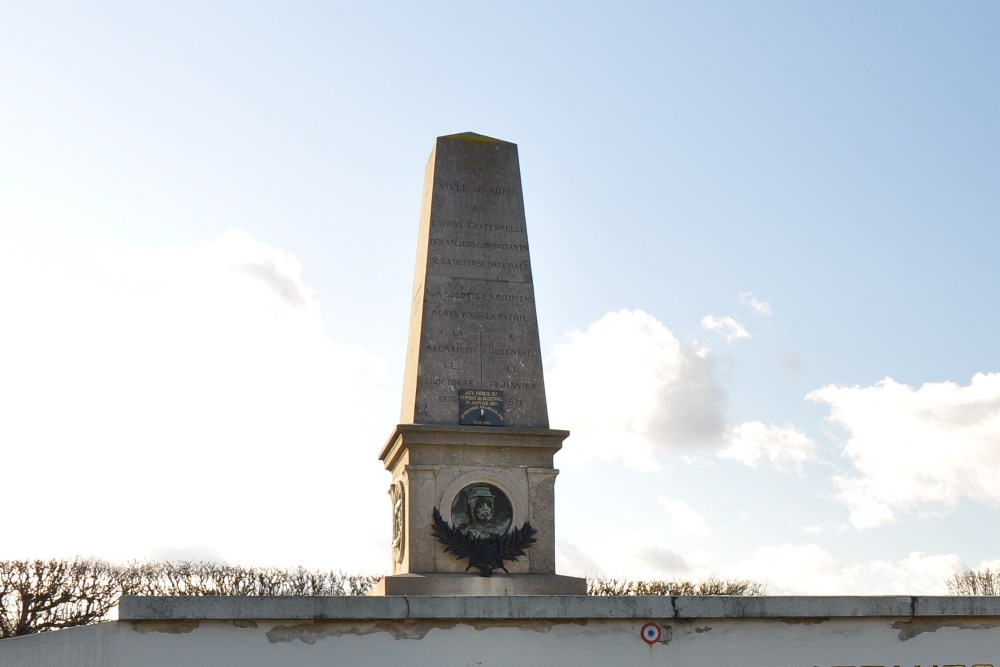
(481, 516)
(481, 511)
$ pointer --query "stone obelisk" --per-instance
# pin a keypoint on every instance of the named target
(472, 457)
(473, 321)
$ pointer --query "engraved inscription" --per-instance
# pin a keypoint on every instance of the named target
(461, 186)
(462, 295)
(508, 352)
(513, 385)
(452, 349)
(489, 227)
(486, 245)
(451, 361)
(451, 382)
(479, 263)
(479, 315)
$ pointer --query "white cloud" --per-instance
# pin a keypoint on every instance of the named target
(627, 387)
(761, 308)
(791, 569)
(663, 561)
(917, 573)
(186, 400)
(781, 446)
(916, 448)
(601, 554)
(683, 520)
(727, 327)
(808, 569)
(570, 558)
(787, 569)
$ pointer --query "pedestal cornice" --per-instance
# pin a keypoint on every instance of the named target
(414, 436)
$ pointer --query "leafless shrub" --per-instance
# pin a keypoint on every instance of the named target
(203, 578)
(674, 587)
(975, 582)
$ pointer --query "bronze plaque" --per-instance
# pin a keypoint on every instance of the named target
(480, 407)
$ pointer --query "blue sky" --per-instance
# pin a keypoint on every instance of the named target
(775, 222)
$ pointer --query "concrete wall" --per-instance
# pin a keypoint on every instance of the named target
(563, 630)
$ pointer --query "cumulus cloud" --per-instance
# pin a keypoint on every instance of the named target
(761, 308)
(922, 448)
(727, 327)
(628, 387)
(682, 519)
(195, 385)
(781, 446)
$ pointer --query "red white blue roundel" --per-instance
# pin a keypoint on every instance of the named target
(650, 633)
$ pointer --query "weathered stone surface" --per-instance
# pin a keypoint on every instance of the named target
(807, 608)
(797, 606)
(473, 323)
(556, 631)
(956, 606)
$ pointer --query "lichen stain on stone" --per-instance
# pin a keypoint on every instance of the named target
(704, 629)
(168, 627)
(806, 621)
(313, 631)
(910, 629)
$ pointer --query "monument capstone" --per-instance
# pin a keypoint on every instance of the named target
(473, 480)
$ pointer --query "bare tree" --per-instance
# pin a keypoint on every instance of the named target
(674, 587)
(40, 595)
(975, 582)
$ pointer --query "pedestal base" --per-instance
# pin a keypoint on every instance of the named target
(432, 465)
(470, 584)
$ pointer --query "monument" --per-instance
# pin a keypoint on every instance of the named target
(472, 517)
(472, 491)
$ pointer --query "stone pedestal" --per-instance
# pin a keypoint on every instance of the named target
(431, 465)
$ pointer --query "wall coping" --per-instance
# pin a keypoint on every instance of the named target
(569, 607)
